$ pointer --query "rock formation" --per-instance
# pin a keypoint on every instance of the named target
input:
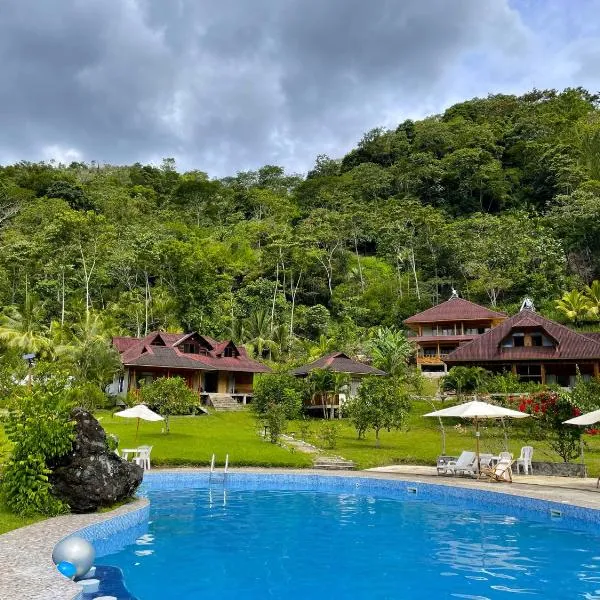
(91, 476)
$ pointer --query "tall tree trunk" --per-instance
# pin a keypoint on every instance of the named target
(274, 296)
(62, 299)
(360, 273)
(414, 270)
(294, 290)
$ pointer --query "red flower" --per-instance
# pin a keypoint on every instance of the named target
(522, 407)
(576, 412)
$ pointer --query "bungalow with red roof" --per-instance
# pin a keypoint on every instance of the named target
(207, 366)
(440, 330)
(336, 362)
(533, 348)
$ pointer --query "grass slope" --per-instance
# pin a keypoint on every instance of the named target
(9, 521)
(421, 442)
(193, 440)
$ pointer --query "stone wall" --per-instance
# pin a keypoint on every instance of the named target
(559, 469)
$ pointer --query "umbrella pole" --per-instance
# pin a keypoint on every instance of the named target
(137, 429)
(477, 446)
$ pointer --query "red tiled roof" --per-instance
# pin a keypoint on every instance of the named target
(141, 352)
(338, 362)
(122, 343)
(455, 309)
(487, 347)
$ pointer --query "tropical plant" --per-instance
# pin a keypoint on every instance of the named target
(592, 293)
(278, 389)
(574, 305)
(259, 336)
(465, 379)
(381, 403)
(23, 329)
(391, 351)
(168, 396)
(550, 410)
(39, 426)
(321, 383)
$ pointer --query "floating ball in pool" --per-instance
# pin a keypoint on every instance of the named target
(77, 551)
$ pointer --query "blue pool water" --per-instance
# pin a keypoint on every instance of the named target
(311, 545)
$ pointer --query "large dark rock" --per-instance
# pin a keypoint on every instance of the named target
(91, 476)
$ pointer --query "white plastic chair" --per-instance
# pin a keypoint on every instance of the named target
(143, 457)
(525, 460)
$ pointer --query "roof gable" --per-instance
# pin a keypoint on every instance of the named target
(487, 347)
(338, 362)
(141, 352)
(455, 309)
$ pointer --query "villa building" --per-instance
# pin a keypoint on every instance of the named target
(336, 362)
(440, 330)
(207, 366)
(533, 348)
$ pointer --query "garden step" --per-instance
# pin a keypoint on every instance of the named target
(333, 463)
(223, 402)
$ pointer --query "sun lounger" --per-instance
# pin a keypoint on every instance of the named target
(501, 472)
(465, 464)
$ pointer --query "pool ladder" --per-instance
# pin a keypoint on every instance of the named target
(224, 479)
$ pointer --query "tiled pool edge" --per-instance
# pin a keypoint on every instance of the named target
(526, 503)
(26, 568)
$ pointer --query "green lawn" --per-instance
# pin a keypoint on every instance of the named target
(193, 440)
(421, 442)
(9, 521)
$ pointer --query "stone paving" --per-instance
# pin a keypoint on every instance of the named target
(26, 567)
(27, 571)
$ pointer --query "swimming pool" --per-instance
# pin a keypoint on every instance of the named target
(270, 537)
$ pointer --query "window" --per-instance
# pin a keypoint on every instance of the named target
(230, 352)
(429, 351)
(447, 330)
(518, 340)
(530, 373)
(537, 339)
(190, 348)
(446, 349)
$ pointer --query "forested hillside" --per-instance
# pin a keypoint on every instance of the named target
(498, 197)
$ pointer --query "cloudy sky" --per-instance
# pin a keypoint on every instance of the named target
(230, 85)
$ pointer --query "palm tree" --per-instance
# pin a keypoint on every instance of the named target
(391, 351)
(575, 305)
(592, 292)
(87, 351)
(258, 334)
(321, 383)
(23, 329)
(340, 382)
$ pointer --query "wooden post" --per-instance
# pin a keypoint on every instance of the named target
(543, 372)
(596, 370)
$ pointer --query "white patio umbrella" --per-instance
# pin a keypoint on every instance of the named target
(586, 419)
(477, 410)
(583, 420)
(139, 411)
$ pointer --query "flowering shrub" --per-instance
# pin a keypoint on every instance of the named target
(550, 409)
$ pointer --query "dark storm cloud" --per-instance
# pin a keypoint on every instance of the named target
(225, 85)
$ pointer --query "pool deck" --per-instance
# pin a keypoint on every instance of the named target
(27, 571)
(26, 567)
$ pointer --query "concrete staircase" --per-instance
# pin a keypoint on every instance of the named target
(333, 463)
(224, 402)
